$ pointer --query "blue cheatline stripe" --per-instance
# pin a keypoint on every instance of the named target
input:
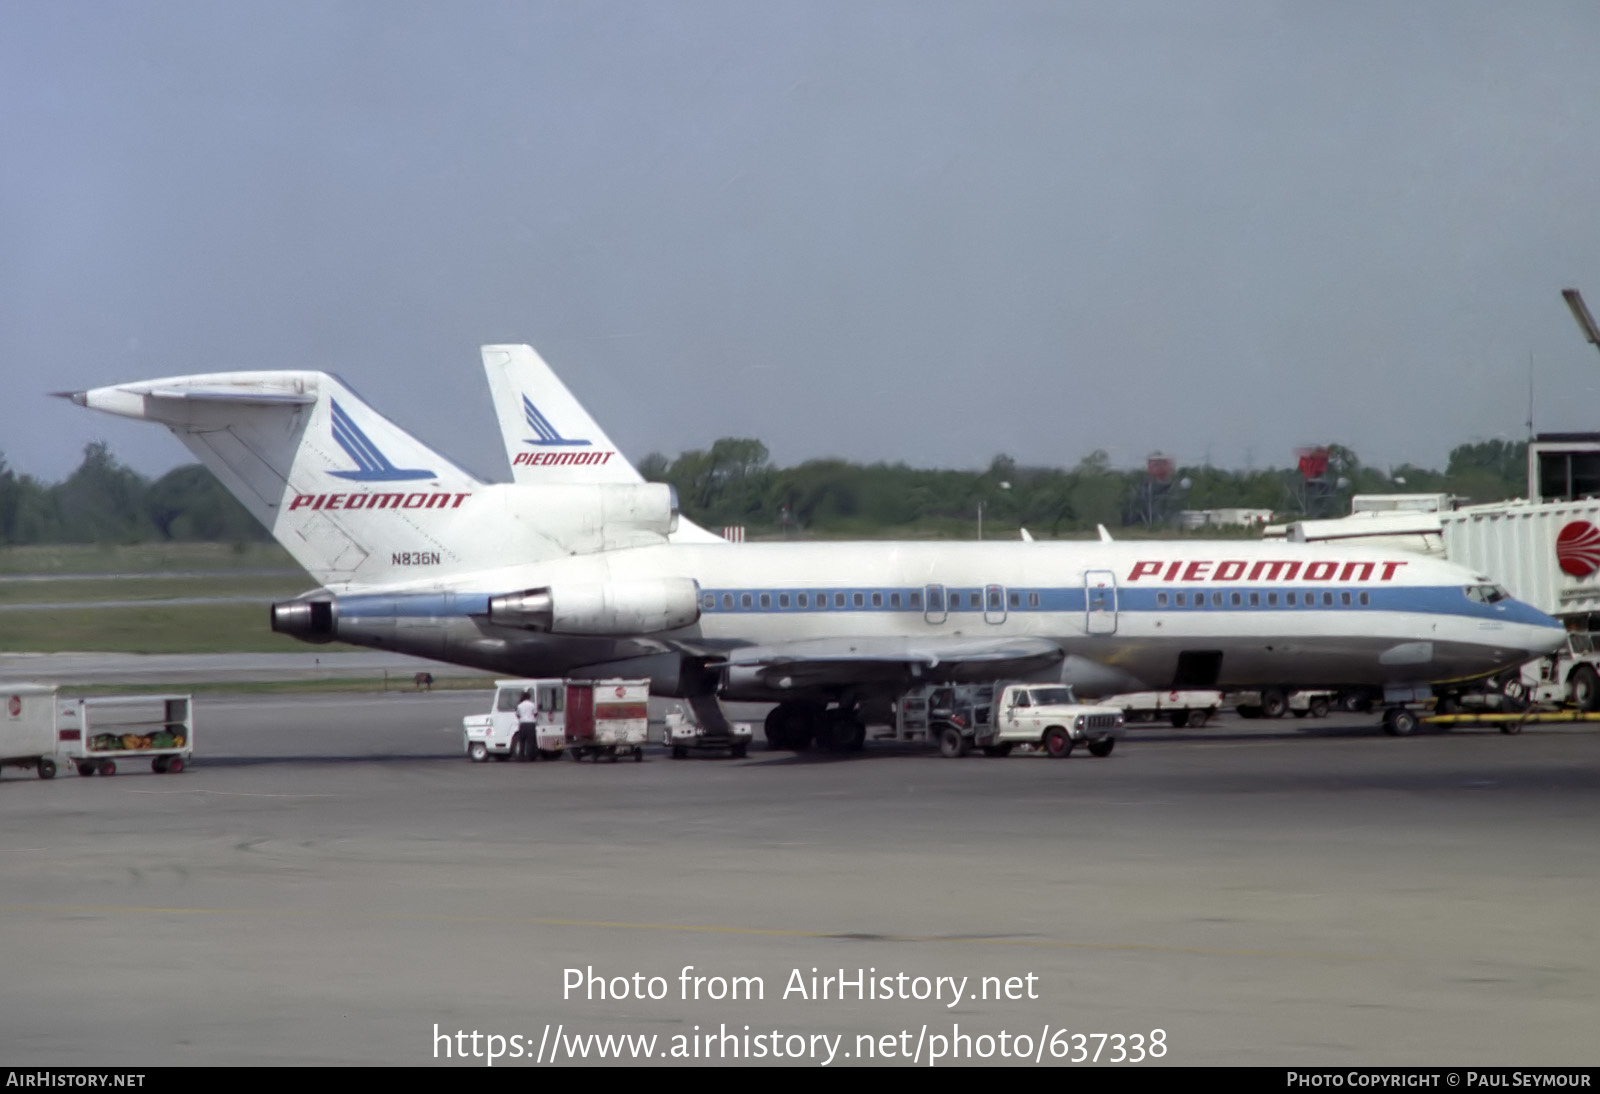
(971, 600)
(357, 443)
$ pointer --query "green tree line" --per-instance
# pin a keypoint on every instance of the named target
(735, 482)
(104, 501)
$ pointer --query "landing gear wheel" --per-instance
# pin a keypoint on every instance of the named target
(1399, 722)
(1583, 689)
(1318, 707)
(952, 743)
(790, 726)
(1274, 703)
(840, 733)
(478, 753)
(1102, 748)
(47, 768)
(1057, 745)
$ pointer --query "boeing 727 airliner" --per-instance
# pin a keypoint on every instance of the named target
(585, 575)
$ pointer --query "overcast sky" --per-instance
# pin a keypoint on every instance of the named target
(913, 231)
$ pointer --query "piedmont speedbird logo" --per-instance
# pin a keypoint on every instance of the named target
(371, 464)
(1578, 549)
(548, 437)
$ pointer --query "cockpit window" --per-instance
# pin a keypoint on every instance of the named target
(1486, 594)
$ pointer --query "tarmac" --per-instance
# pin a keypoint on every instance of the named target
(332, 882)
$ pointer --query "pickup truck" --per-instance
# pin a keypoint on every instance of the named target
(998, 717)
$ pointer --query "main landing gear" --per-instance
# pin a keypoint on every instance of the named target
(795, 727)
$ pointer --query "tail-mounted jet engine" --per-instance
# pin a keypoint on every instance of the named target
(307, 620)
(614, 608)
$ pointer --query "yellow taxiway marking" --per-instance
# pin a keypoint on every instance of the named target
(700, 928)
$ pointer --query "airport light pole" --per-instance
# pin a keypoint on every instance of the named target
(1003, 486)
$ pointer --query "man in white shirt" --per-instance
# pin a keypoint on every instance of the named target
(525, 742)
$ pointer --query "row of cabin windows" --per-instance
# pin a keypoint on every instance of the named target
(911, 600)
(1290, 599)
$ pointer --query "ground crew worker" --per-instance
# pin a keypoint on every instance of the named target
(525, 744)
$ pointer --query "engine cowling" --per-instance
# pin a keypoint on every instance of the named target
(308, 620)
(614, 608)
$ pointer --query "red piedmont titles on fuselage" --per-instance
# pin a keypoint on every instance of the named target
(1264, 570)
(430, 499)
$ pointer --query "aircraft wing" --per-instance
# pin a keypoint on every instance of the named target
(816, 662)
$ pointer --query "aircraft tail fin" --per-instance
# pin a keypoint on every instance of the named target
(550, 439)
(338, 484)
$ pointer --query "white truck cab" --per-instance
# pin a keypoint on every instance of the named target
(498, 735)
(999, 717)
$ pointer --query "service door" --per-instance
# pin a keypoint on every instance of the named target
(580, 713)
(1100, 600)
(994, 604)
(934, 610)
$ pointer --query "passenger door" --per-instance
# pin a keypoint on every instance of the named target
(933, 597)
(994, 604)
(1100, 602)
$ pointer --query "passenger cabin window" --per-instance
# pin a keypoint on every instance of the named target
(935, 600)
(1365, 599)
(1161, 600)
(708, 601)
(1182, 599)
(1235, 599)
(877, 600)
(744, 600)
(858, 600)
(894, 600)
(1344, 598)
(1016, 600)
(1327, 600)
(838, 600)
(727, 601)
(994, 598)
(1272, 600)
(1255, 600)
(805, 600)
(766, 600)
(783, 600)
(1288, 598)
(1033, 600)
(916, 600)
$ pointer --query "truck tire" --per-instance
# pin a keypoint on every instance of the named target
(1057, 744)
(1318, 707)
(159, 765)
(1274, 703)
(1583, 689)
(47, 768)
(1178, 718)
(175, 765)
(1198, 718)
(1102, 748)
(1399, 722)
(951, 743)
(84, 767)
(478, 753)
(108, 767)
